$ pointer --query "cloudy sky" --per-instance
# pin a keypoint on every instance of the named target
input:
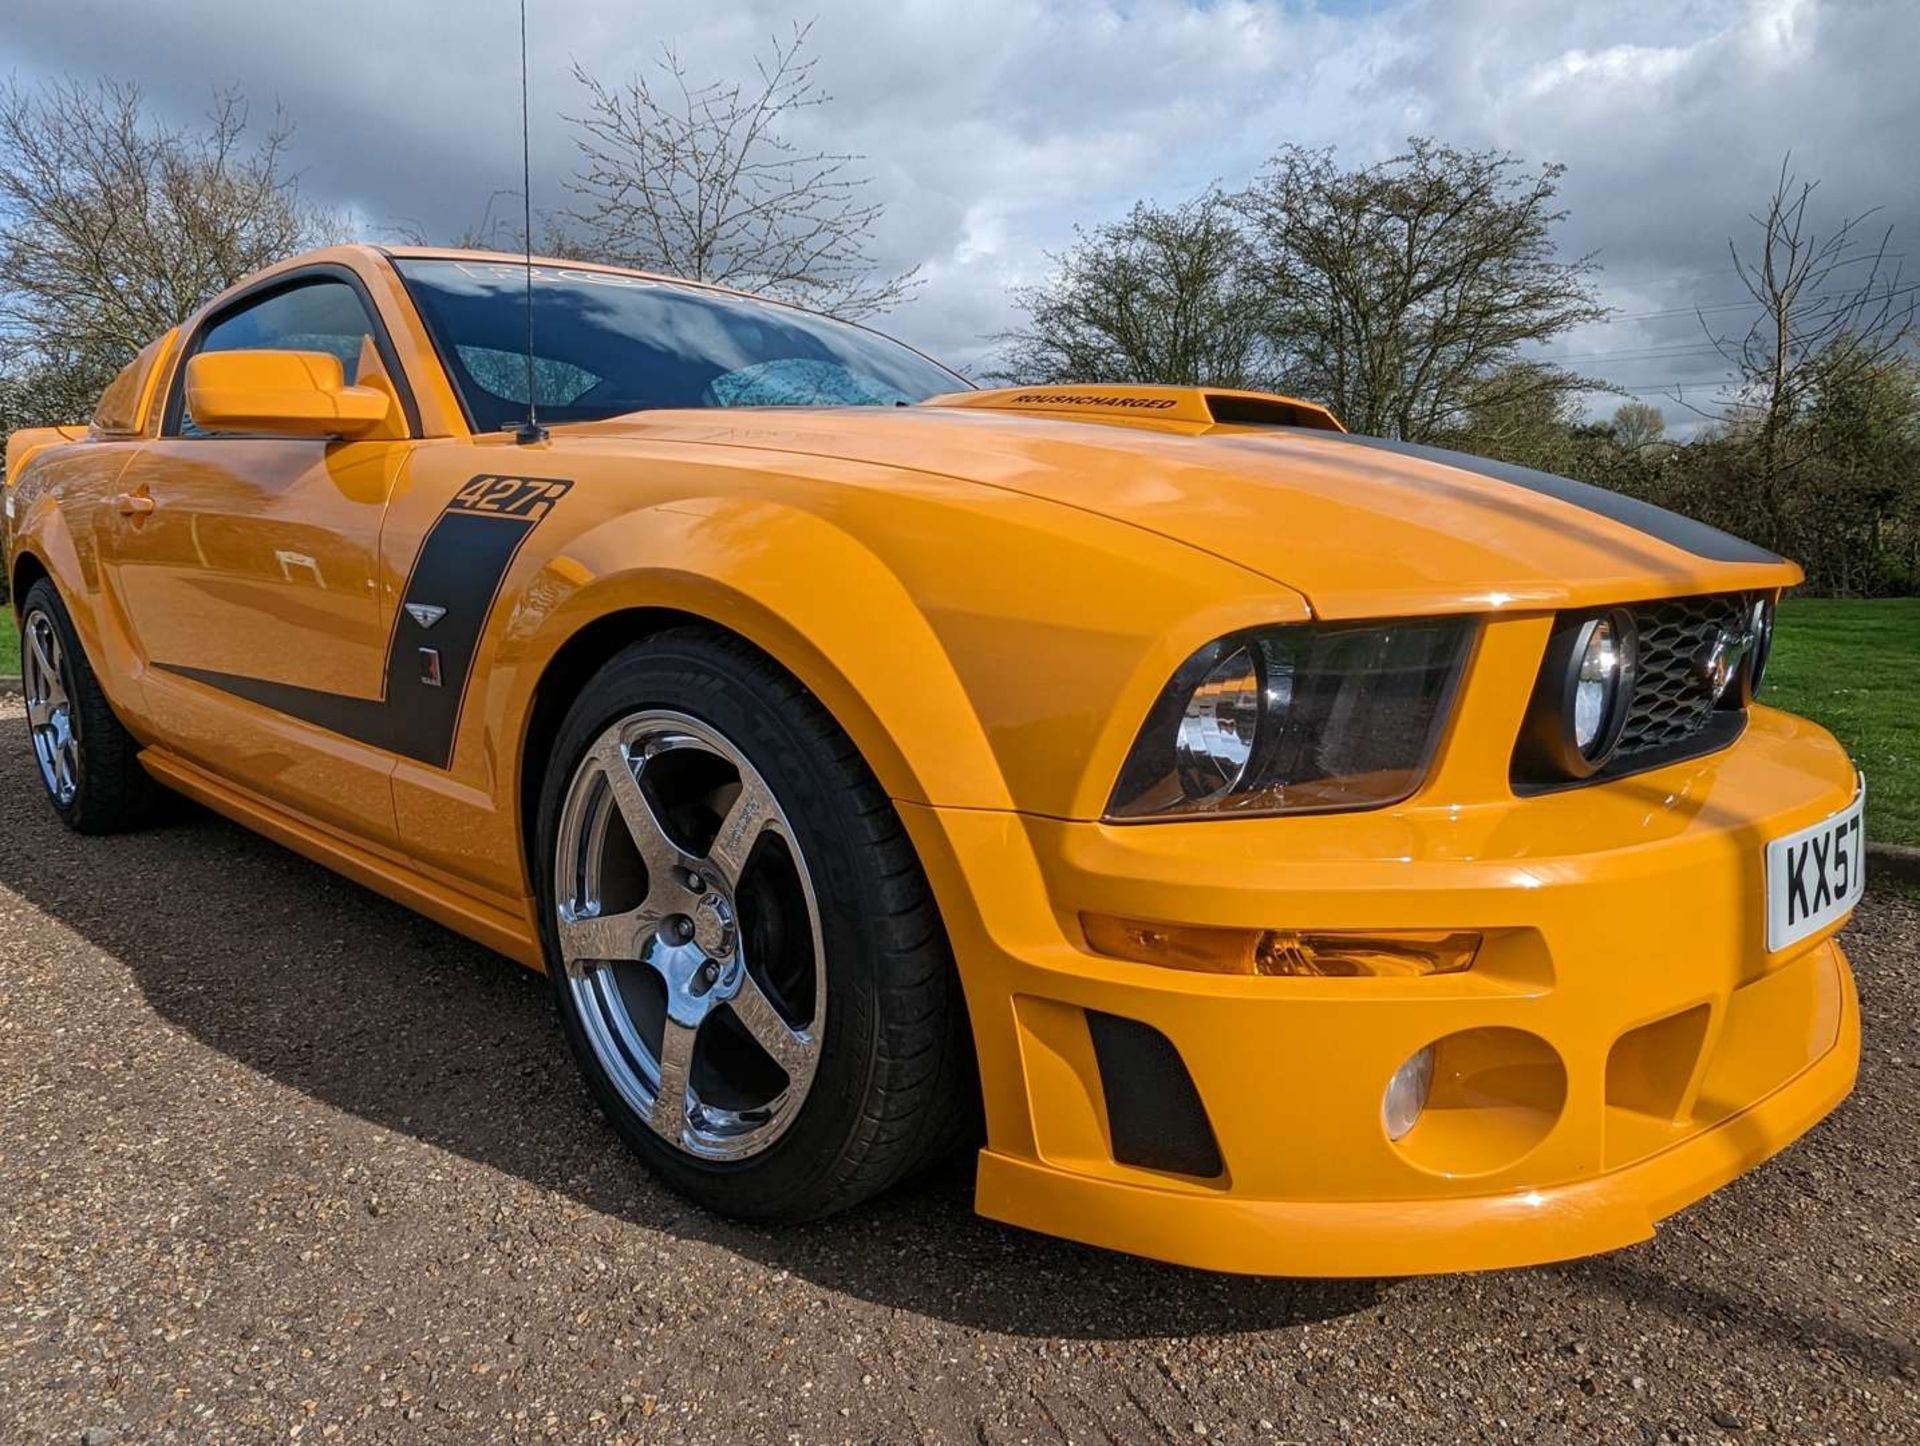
(992, 127)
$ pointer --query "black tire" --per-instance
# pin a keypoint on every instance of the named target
(894, 1088)
(110, 791)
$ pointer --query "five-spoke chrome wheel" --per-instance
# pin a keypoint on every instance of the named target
(50, 714)
(690, 935)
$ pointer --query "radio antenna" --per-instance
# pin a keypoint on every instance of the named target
(529, 431)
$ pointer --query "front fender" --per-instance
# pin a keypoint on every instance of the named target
(806, 593)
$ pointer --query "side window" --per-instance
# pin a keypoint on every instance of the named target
(317, 315)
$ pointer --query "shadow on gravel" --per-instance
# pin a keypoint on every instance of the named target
(1628, 1278)
(364, 1006)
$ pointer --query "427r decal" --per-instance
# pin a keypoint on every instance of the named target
(493, 496)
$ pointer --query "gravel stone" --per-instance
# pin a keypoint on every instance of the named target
(280, 1161)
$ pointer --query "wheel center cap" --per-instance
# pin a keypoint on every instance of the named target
(713, 926)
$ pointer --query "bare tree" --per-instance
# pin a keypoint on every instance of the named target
(1162, 296)
(1638, 427)
(114, 227)
(1403, 293)
(1509, 415)
(699, 179)
(1833, 314)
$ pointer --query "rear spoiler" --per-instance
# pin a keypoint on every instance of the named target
(1205, 406)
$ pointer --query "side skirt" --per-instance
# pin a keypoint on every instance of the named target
(505, 931)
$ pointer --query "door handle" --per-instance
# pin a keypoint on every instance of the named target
(133, 504)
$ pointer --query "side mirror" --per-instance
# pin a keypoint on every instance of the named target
(281, 393)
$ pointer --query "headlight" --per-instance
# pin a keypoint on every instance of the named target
(1216, 733)
(1299, 719)
(1583, 695)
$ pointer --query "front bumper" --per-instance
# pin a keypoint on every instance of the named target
(1625, 1043)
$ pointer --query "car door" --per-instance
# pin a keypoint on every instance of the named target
(249, 568)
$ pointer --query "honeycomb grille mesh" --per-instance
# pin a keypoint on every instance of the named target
(1672, 700)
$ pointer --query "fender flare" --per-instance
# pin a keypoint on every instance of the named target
(809, 594)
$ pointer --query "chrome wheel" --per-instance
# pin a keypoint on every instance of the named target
(690, 935)
(49, 707)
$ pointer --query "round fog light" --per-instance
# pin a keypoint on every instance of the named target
(1406, 1094)
(1600, 688)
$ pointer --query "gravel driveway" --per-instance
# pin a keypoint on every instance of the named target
(279, 1160)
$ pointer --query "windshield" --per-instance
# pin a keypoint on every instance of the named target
(606, 342)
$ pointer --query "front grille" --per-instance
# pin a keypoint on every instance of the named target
(1673, 702)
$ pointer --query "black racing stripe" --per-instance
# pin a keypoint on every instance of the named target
(364, 719)
(1657, 522)
(461, 565)
(462, 562)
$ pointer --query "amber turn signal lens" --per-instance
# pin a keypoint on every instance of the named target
(1311, 954)
(1365, 956)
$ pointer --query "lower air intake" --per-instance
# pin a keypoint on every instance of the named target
(1153, 1110)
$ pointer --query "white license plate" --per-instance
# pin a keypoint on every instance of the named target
(1816, 875)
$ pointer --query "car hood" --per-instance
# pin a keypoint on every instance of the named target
(1359, 526)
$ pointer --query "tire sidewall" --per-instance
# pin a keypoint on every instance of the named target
(691, 674)
(44, 599)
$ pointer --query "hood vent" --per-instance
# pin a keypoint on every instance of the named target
(1191, 405)
(1254, 409)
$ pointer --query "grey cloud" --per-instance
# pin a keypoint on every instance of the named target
(991, 128)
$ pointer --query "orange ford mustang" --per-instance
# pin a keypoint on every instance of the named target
(1313, 854)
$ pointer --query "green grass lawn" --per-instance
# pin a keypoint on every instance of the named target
(9, 646)
(1855, 667)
